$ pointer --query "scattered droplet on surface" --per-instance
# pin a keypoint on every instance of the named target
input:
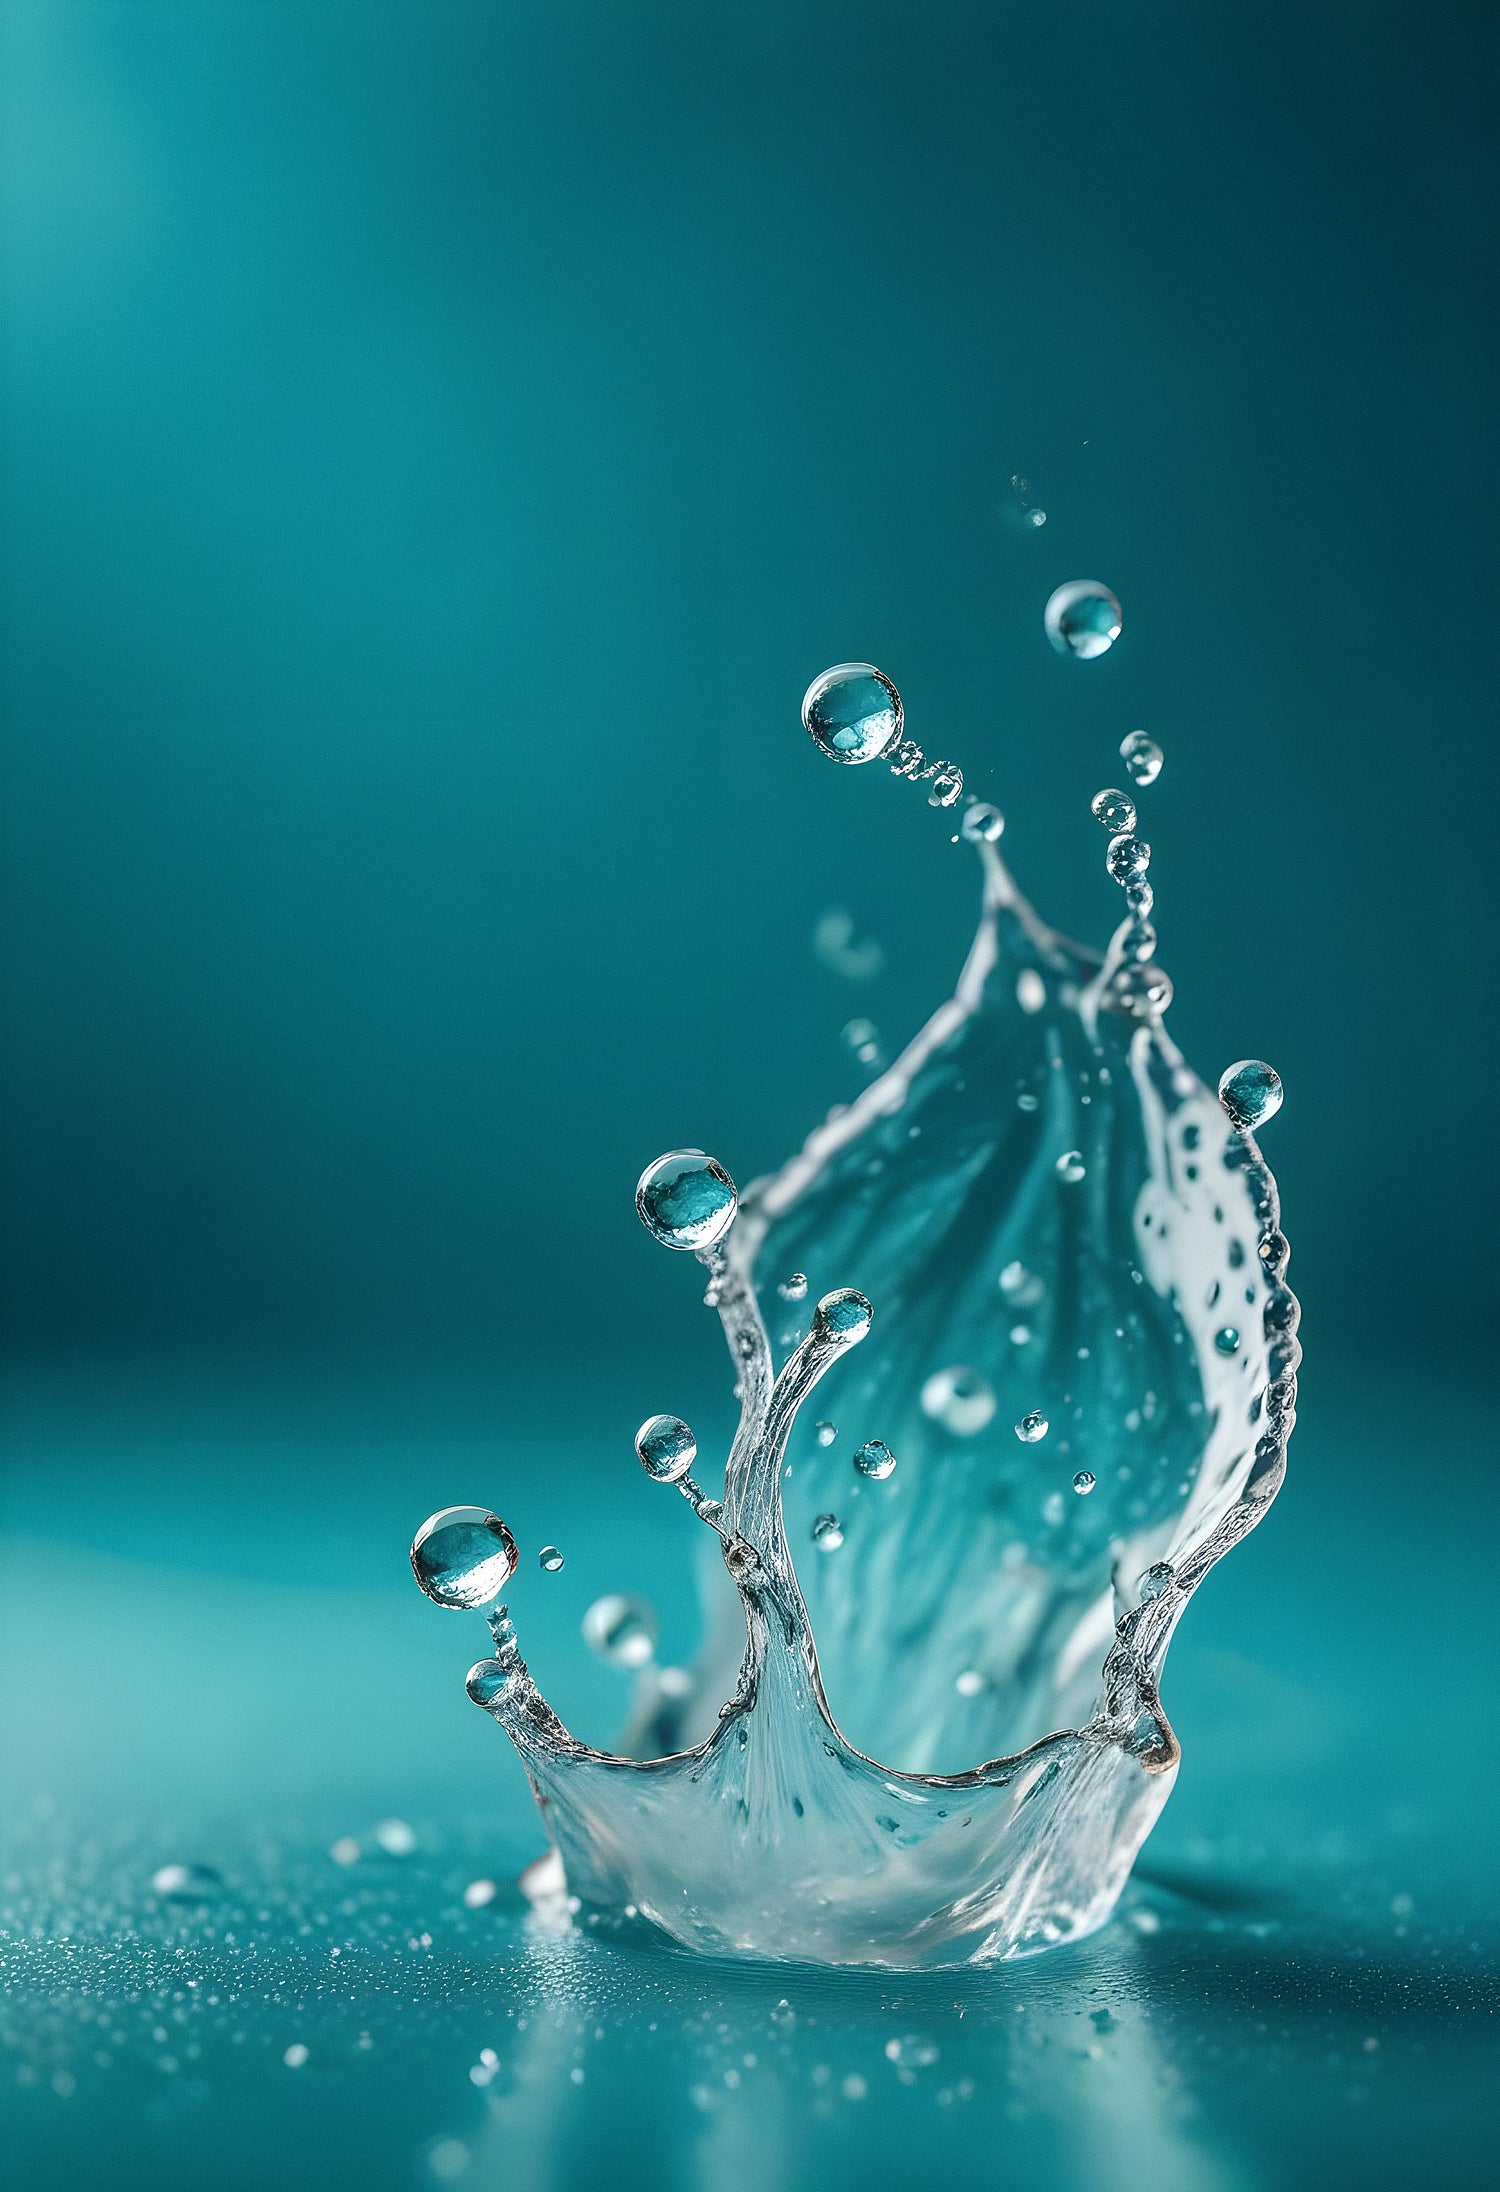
(959, 1399)
(983, 824)
(853, 712)
(1032, 1426)
(1084, 1482)
(1083, 619)
(666, 1447)
(550, 1558)
(686, 1200)
(480, 1893)
(826, 1534)
(1070, 1166)
(1250, 1092)
(621, 1630)
(1141, 756)
(395, 1837)
(463, 1557)
(1227, 1340)
(544, 1879)
(188, 1883)
(843, 1315)
(1116, 810)
(875, 1459)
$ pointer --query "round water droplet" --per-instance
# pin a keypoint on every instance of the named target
(959, 1399)
(795, 1288)
(1032, 1426)
(969, 1683)
(622, 1631)
(1227, 1340)
(1021, 1288)
(551, 1559)
(1127, 858)
(1116, 810)
(1083, 619)
(875, 1459)
(463, 1557)
(983, 824)
(1031, 990)
(488, 1682)
(395, 1837)
(1142, 991)
(826, 1534)
(825, 1433)
(844, 1315)
(1141, 756)
(710, 1511)
(1250, 1092)
(686, 1200)
(667, 1448)
(853, 712)
(1084, 1482)
(188, 1883)
(1070, 1166)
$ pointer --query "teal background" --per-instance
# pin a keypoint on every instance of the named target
(440, 444)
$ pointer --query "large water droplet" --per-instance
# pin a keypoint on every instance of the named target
(686, 1200)
(853, 712)
(1128, 857)
(983, 823)
(826, 1534)
(667, 1448)
(843, 1315)
(875, 1459)
(463, 1557)
(1250, 1092)
(1083, 618)
(1116, 810)
(550, 1558)
(1032, 1426)
(621, 1630)
(1141, 756)
(959, 1399)
(488, 1681)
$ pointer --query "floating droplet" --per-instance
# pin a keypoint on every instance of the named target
(794, 1289)
(622, 1631)
(825, 1433)
(912, 2052)
(969, 1683)
(1032, 1426)
(843, 1315)
(1116, 810)
(550, 1558)
(1127, 858)
(826, 1534)
(1227, 1340)
(1084, 1481)
(1083, 619)
(1070, 1166)
(463, 1557)
(1054, 1506)
(489, 1681)
(395, 1837)
(1250, 1092)
(1036, 517)
(983, 823)
(853, 712)
(1031, 990)
(959, 1399)
(833, 942)
(1141, 756)
(875, 1459)
(1143, 991)
(1021, 1288)
(667, 1448)
(479, 1894)
(189, 1883)
(686, 1200)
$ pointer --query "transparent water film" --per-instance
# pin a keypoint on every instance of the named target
(925, 1725)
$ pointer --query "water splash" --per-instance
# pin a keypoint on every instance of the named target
(1039, 1151)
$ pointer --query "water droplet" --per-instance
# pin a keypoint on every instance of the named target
(825, 1433)
(622, 1631)
(479, 1894)
(1021, 1288)
(710, 1511)
(489, 1681)
(1250, 1092)
(667, 1448)
(550, 1558)
(1227, 1340)
(1083, 619)
(189, 1883)
(1036, 517)
(1127, 858)
(1084, 1482)
(395, 1837)
(875, 1459)
(969, 1683)
(1143, 991)
(833, 943)
(502, 1628)
(959, 1399)
(843, 1315)
(911, 2052)
(463, 1557)
(1032, 1427)
(795, 1288)
(1116, 810)
(1070, 1166)
(1155, 1581)
(1141, 756)
(983, 823)
(1053, 1508)
(686, 1200)
(853, 712)
(296, 2055)
(1031, 990)
(826, 1534)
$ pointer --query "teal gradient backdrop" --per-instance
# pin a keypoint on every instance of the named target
(440, 444)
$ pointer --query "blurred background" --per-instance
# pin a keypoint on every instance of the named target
(441, 442)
